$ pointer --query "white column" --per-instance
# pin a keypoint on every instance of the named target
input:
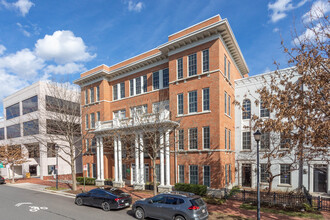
(98, 159)
(102, 159)
(120, 166)
(167, 154)
(136, 149)
(116, 158)
(141, 159)
(161, 159)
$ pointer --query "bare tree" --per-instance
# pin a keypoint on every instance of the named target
(12, 156)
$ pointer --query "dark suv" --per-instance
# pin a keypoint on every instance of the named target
(2, 180)
(174, 205)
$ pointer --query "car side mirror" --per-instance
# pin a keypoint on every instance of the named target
(150, 201)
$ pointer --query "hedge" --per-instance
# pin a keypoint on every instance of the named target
(192, 188)
(88, 181)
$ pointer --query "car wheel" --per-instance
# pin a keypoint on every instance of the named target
(179, 217)
(139, 213)
(79, 201)
(106, 206)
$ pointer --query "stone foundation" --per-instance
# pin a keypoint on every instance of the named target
(138, 186)
(118, 184)
(163, 189)
(99, 182)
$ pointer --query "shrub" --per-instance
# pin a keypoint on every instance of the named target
(193, 188)
(88, 181)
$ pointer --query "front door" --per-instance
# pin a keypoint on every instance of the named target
(246, 175)
(33, 170)
(320, 178)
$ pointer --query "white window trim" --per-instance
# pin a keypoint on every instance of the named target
(243, 141)
(177, 69)
(90, 94)
(97, 93)
(189, 99)
(86, 96)
(226, 138)
(203, 60)
(209, 175)
(92, 127)
(228, 103)
(189, 138)
(209, 138)
(178, 104)
(86, 122)
(188, 64)
(203, 99)
(229, 139)
(178, 180)
(225, 104)
(197, 173)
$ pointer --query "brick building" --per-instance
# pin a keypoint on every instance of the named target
(192, 77)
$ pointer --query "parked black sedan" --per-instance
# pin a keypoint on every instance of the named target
(107, 199)
(2, 180)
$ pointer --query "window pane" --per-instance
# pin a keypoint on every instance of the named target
(229, 139)
(93, 120)
(92, 94)
(2, 133)
(31, 127)
(193, 173)
(205, 61)
(246, 111)
(225, 138)
(97, 93)
(181, 139)
(285, 174)
(180, 68)
(86, 121)
(263, 173)
(225, 65)
(246, 140)
(33, 150)
(122, 90)
(115, 92)
(12, 111)
(225, 102)
(86, 96)
(30, 105)
(181, 173)
(265, 141)
(229, 103)
(192, 101)
(264, 112)
(180, 104)
(145, 83)
(165, 78)
(192, 63)
(228, 70)
(206, 99)
(14, 131)
(193, 138)
(62, 106)
(131, 87)
(138, 85)
(155, 80)
(206, 137)
(207, 177)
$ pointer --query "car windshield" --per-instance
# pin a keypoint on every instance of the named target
(116, 192)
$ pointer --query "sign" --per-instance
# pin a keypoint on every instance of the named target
(1, 165)
(85, 167)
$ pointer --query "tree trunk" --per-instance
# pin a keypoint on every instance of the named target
(154, 175)
(73, 175)
(270, 183)
(13, 177)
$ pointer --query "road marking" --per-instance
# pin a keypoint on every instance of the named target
(31, 207)
(23, 203)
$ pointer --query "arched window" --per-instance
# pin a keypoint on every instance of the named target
(246, 109)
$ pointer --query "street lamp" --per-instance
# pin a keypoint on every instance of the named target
(257, 137)
(56, 150)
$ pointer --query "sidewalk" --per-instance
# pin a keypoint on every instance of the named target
(230, 208)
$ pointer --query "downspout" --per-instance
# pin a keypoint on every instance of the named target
(175, 158)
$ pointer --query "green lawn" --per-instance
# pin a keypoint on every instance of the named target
(54, 188)
(309, 215)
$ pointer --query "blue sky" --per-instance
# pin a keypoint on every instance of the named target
(47, 39)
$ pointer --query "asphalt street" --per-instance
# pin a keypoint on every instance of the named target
(23, 204)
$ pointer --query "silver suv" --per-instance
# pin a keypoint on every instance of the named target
(174, 205)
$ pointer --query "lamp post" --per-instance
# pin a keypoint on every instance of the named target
(56, 149)
(257, 137)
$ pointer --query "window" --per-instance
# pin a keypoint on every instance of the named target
(92, 120)
(225, 102)
(86, 121)
(131, 87)
(122, 90)
(120, 114)
(98, 93)
(193, 174)
(263, 173)
(51, 169)
(285, 174)
(159, 107)
(246, 141)
(13, 131)
(92, 94)
(226, 174)
(246, 111)
(181, 139)
(94, 170)
(229, 105)
(33, 150)
(51, 150)
(265, 141)
(155, 80)
(31, 127)
(264, 112)
(2, 133)
(229, 139)
(93, 145)
(145, 83)
(172, 200)
(206, 137)
(225, 138)
(207, 176)
(158, 199)
(87, 145)
(139, 110)
(205, 61)
(229, 173)
(138, 85)
(228, 71)
(192, 64)
(206, 99)
(181, 173)
(180, 104)
(30, 105)
(62, 106)
(192, 101)
(285, 141)
(165, 78)
(193, 138)
(86, 96)
(12, 111)
(225, 65)
(158, 172)
(180, 68)
(98, 116)
(88, 170)
(115, 92)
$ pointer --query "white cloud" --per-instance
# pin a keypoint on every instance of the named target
(21, 28)
(62, 47)
(69, 68)
(275, 30)
(317, 10)
(23, 6)
(280, 8)
(2, 49)
(23, 63)
(311, 34)
(10, 84)
(137, 7)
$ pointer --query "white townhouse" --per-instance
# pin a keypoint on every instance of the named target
(316, 173)
(25, 124)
